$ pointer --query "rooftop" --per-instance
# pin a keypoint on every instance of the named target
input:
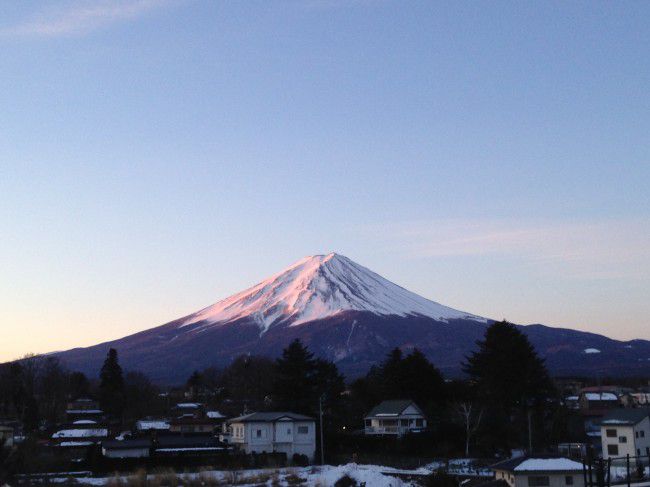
(627, 416)
(270, 417)
(393, 407)
(538, 464)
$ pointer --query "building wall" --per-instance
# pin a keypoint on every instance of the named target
(555, 479)
(505, 475)
(637, 439)
(282, 436)
(126, 453)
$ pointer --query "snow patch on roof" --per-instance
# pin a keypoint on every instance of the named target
(548, 465)
(81, 433)
(591, 350)
(144, 425)
(601, 396)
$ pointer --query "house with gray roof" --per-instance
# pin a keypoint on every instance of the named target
(395, 417)
(539, 471)
(626, 432)
(267, 432)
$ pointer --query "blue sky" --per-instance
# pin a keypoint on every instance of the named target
(157, 156)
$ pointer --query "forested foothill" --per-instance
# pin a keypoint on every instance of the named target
(506, 401)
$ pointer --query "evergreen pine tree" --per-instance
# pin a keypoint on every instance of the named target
(506, 368)
(511, 382)
(111, 386)
(294, 386)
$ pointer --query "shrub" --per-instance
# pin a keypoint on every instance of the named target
(440, 479)
(346, 481)
(300, 460)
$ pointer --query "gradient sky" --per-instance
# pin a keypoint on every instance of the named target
(157, 156)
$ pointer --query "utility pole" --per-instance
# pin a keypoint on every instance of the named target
(530, 433)
(320, 412)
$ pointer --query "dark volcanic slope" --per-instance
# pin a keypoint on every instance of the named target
(346, 313)
(355, 341)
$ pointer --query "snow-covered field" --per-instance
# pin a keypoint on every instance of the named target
(315, 476)
(371, 475)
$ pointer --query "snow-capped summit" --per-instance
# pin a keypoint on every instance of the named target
(318, 287)
(345, 313)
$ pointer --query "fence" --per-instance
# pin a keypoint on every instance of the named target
(627, 470)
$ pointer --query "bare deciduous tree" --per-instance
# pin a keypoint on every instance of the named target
(471, 420)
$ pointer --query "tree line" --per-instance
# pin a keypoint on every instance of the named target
(507, 385)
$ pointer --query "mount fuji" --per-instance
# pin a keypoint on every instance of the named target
(346, 313)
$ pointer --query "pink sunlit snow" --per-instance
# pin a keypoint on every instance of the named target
(318, 287)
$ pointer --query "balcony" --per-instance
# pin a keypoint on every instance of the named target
(390, 430)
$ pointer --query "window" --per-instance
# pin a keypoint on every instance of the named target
(612, 449)
(611, 433)
(419, 423)
(303, 430)
(636, 434)
(642, 433)
(538, 481)
(568, 480)
(638, 452)
(622, 439)
(288, 431)
(647, 450)
(258, 433)
(403, 422)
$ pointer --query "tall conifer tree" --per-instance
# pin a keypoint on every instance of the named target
(111, 386)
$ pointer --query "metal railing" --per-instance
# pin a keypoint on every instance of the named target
(627, 470)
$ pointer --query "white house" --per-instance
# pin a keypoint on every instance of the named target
(626, 432)
(268, 432)
(396, 417)
(540, 472)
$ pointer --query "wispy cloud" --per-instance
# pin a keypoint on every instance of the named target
(586, 249)
(80, 17)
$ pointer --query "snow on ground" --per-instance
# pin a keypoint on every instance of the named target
(619, 473)
(371, 475)
(316, 476)
(591, 350)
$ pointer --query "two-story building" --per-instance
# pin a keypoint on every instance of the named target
(395, 417)
(626, 432)
(539, 472)
(269, 432)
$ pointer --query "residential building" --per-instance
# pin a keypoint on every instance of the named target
(598, 399)
(159, 425)
(188, 446)
(395, 417)
(163, 446)
(83, 408)
(79, 435)
(283, 432)
(131, 448)
(530, 471)
(626, 432)
(189, 424)
(186, 409)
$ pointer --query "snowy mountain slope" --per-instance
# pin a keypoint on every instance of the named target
(318, 287)
(345, 313)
